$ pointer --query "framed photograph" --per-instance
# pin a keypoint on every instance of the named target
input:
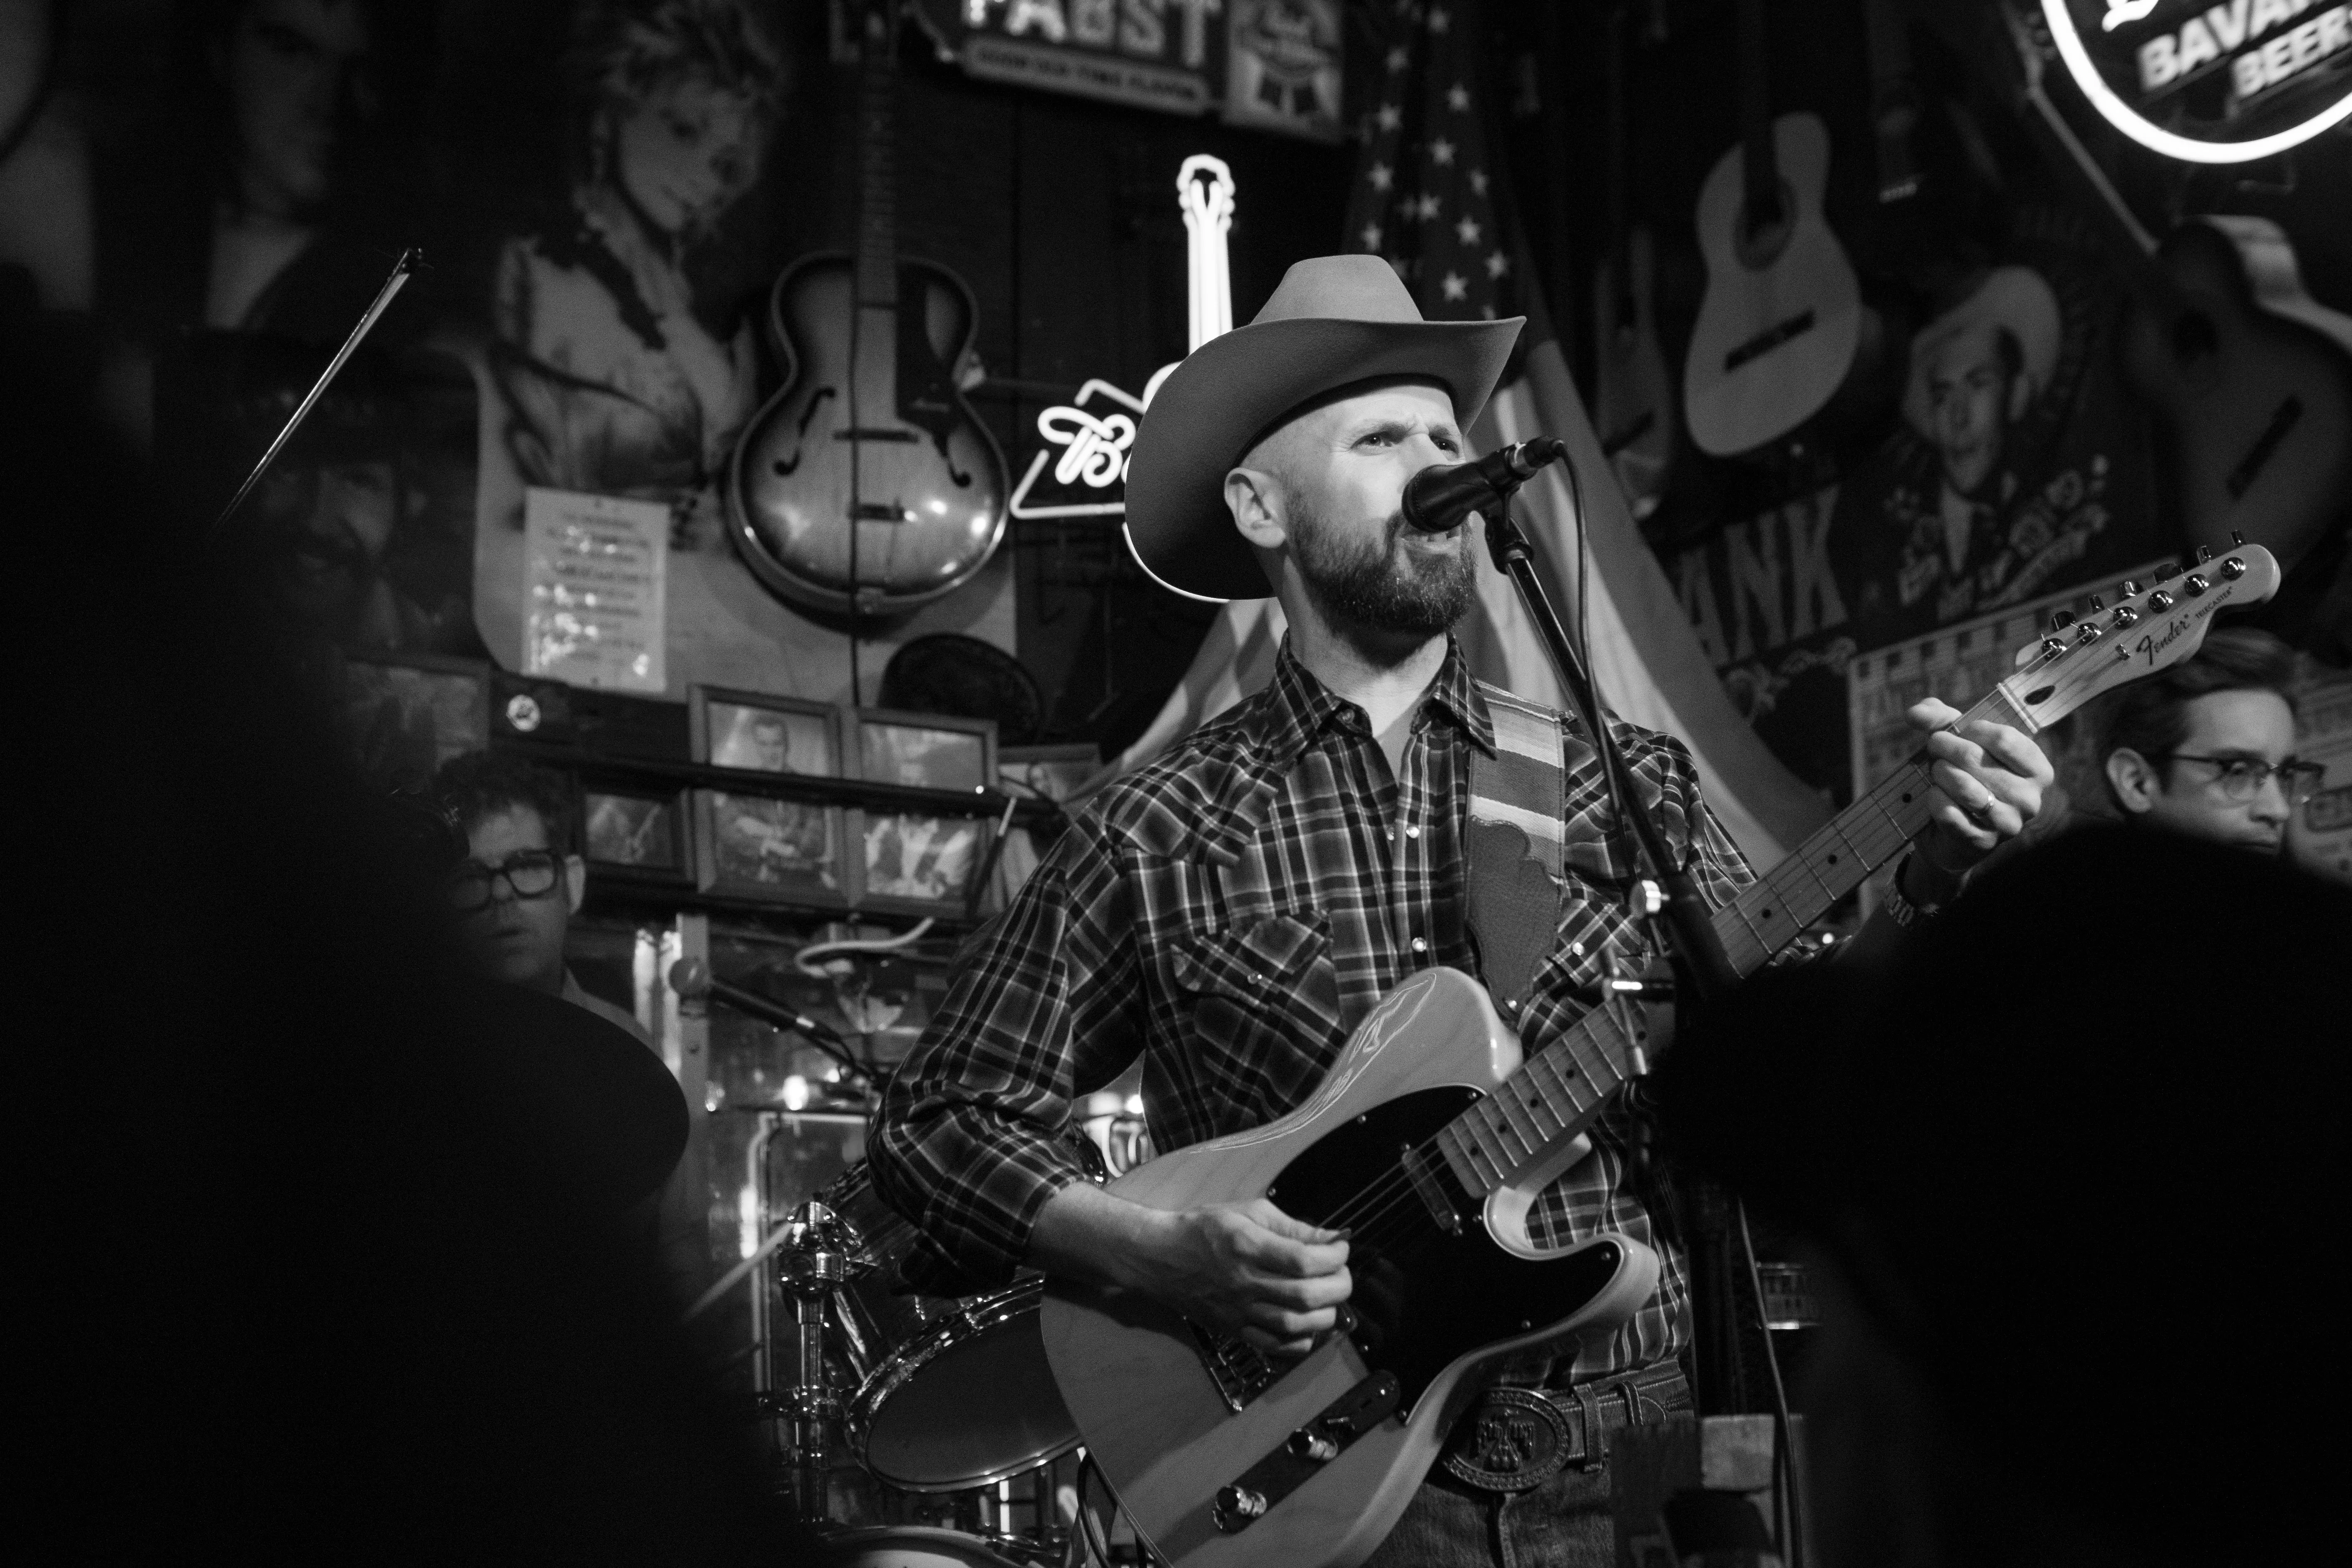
(639, 835)
(920, 864)
(765, 734)
(930, 750)
(405, 716)
(785, 851)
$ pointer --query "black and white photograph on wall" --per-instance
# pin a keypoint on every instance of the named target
(404, 718)
(637, 836)
(765, 734)
(920, 864)
(780, 851)
(926, 750)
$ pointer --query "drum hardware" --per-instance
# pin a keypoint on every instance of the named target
(820, 1253)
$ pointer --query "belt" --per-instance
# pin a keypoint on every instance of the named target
(1513, 1439)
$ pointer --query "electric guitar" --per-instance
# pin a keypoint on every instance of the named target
(1782, 317)
(1431, 1138)
(2249, 376)
(1633, 401)
(867, 485)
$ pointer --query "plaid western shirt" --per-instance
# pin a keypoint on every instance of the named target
(1230, 913)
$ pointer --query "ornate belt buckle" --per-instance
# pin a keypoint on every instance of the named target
(1515, 1439)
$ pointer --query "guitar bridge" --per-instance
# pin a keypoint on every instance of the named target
(1240, 1370)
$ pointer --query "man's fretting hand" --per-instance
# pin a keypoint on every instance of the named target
(1988, 781)
(1244, 1268)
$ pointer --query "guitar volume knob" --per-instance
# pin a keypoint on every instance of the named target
(1236, 1506)
(1307, 1444)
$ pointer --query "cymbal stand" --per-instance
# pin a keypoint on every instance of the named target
(820, 1253)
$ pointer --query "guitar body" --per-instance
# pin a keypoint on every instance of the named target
(1782, 314)
(1435, 1309)
(1633, 399)
(869, 447)
(2253, 381)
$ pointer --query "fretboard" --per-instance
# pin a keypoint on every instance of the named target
(877, 188)
(1560, 1090)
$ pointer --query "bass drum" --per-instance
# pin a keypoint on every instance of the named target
(910, 1546)
(953, 1392)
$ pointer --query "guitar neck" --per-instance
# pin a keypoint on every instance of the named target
(877, 190)
(1757, 166)
(1559, 1091)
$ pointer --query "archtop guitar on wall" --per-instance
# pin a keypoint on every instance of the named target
(1429, 1140)
(867, 485)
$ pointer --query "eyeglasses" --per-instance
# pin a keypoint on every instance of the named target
(2240, 778)
(531, 873)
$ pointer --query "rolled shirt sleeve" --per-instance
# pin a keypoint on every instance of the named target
(1045, 1006)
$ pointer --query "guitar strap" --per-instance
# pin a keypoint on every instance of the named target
(1517, 797)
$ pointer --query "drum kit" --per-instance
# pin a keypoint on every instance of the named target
(954, 1450)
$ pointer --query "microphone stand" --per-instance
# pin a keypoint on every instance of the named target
(1702, 971)
(400, 269)
(1700, 965)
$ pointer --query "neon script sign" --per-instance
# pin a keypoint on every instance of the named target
(1093, 432)
(2209, 83)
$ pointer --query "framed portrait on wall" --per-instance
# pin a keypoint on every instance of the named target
(643, 837)
(405, 715)
(929, 750)
(782, 851)
(764, 734)
(918, 863)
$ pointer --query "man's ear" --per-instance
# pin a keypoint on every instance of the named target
(575, 882)
(1255, 498)
(2133, 779)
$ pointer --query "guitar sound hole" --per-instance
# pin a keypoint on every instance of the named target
(2193, 336)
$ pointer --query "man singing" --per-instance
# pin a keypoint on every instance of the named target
(1232, 911)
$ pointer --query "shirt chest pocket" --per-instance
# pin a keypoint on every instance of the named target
(1267, 994)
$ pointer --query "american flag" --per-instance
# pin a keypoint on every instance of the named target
(1426, 198)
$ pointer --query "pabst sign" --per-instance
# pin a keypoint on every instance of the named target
(2211, 83)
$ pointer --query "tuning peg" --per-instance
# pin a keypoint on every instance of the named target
(2125, 616)
(2195, 584)
(2160, 601)
(2204, 553)
(2233, 568)
(2052, 648)
(2097, 604)
(2060, 620)
(2237, 539)
(2166, 571)
(2130, 588)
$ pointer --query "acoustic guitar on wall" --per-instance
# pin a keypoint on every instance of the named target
(2251, 377)
(1633, 399)
(867, 485)
(1782, 317)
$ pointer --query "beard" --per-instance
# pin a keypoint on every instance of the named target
(1378, 586)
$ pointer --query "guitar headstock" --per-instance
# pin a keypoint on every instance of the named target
(2148, 630)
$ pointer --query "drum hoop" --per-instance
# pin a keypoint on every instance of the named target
(982, 1313)
(839, 1543)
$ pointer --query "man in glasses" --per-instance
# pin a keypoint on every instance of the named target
(2206, 748)
(514, 894)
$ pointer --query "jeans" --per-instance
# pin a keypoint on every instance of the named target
(1564, 1523)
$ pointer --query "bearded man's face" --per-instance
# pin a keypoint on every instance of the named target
(1343, 467)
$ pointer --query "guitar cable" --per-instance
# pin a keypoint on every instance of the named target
(1789, 1535)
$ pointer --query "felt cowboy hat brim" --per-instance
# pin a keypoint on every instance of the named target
(1335, 321)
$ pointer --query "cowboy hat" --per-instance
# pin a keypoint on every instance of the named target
(1335, 321)
(2013, 299)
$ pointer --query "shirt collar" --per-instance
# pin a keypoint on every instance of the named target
(1299, 706)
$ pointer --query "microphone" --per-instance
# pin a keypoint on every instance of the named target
(1438, 499)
